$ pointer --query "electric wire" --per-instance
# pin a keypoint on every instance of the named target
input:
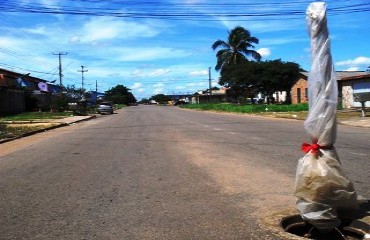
(173, 11)
(153, 9)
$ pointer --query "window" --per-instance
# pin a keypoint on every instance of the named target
(306, 93)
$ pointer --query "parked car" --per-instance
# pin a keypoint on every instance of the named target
(180, 102)
(105, 108)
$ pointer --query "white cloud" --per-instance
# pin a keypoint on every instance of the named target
(138, 73)
(140, 90)
(264, 52)
(148, 54)
(152, 73)
(75, 39)
(108, 28)
(136, 86)
(199, 73)
(158, 72)
(158, 85)
(158, 91)
(38, 30)
(199, 84)
(261, 26)
(12, 43)
(352, 69)
(283, 41)
(357, 61)
(50, 3)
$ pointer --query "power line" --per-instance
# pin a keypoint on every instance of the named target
(199, 12)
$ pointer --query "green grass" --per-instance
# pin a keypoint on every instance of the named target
(119, 106)
(29, 116)
(258, 108)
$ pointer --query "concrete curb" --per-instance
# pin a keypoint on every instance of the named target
(60, 124)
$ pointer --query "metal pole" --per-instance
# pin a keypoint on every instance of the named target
(60, 71)
(82, 77)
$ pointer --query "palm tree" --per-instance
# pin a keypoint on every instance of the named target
(236, 49)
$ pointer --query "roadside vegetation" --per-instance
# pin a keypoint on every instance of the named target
(32, 116)
(19, 124)
(297, 111)
(253, 108)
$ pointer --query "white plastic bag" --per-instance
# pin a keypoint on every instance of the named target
(321, 185)
(322, 188)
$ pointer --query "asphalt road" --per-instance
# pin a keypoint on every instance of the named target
(152, 172)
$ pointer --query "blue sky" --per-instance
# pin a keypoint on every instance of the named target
(158, 46)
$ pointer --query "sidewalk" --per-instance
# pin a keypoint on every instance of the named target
(55, 123)
(71, 120)
(357, 122)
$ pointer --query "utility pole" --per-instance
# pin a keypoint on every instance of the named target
(210, 83)
(82, 77)
(60, 70)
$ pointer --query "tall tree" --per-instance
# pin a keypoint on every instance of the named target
(278, 76)
(238, 47)
(120, 94)
(160, 98)
(267, 77)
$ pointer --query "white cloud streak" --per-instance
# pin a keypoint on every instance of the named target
(264, 52)
(352, 69)
(136, 86)
(353, 62)
(109, 28)
(199, 73)
(151, 73)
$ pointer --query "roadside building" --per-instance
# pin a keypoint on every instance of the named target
(349, 82)
(215, 96)
(351, 85)
(17, 90)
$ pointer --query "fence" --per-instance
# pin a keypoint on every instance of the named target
(12, 101)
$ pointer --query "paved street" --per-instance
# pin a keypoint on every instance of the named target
(153, 172)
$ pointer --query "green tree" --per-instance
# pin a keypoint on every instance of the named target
(70, 94)
(277, 75)
(249, 78)
(241, 81)
(73, 94)
(160, 98)
(120, 94)
(144, 100)
(236, 49)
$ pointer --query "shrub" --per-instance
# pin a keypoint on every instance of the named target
(249, 108)
(61, 104)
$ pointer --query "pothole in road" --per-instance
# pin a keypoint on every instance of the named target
(350, 229)
(289, 225)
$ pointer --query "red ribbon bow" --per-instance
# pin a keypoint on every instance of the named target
(314, 148)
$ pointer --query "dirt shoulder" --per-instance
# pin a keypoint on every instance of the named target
(10, 130)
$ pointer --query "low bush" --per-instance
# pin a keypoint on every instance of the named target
(224, 107)
(29, 116)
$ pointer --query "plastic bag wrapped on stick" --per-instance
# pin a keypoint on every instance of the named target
(321, 185)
